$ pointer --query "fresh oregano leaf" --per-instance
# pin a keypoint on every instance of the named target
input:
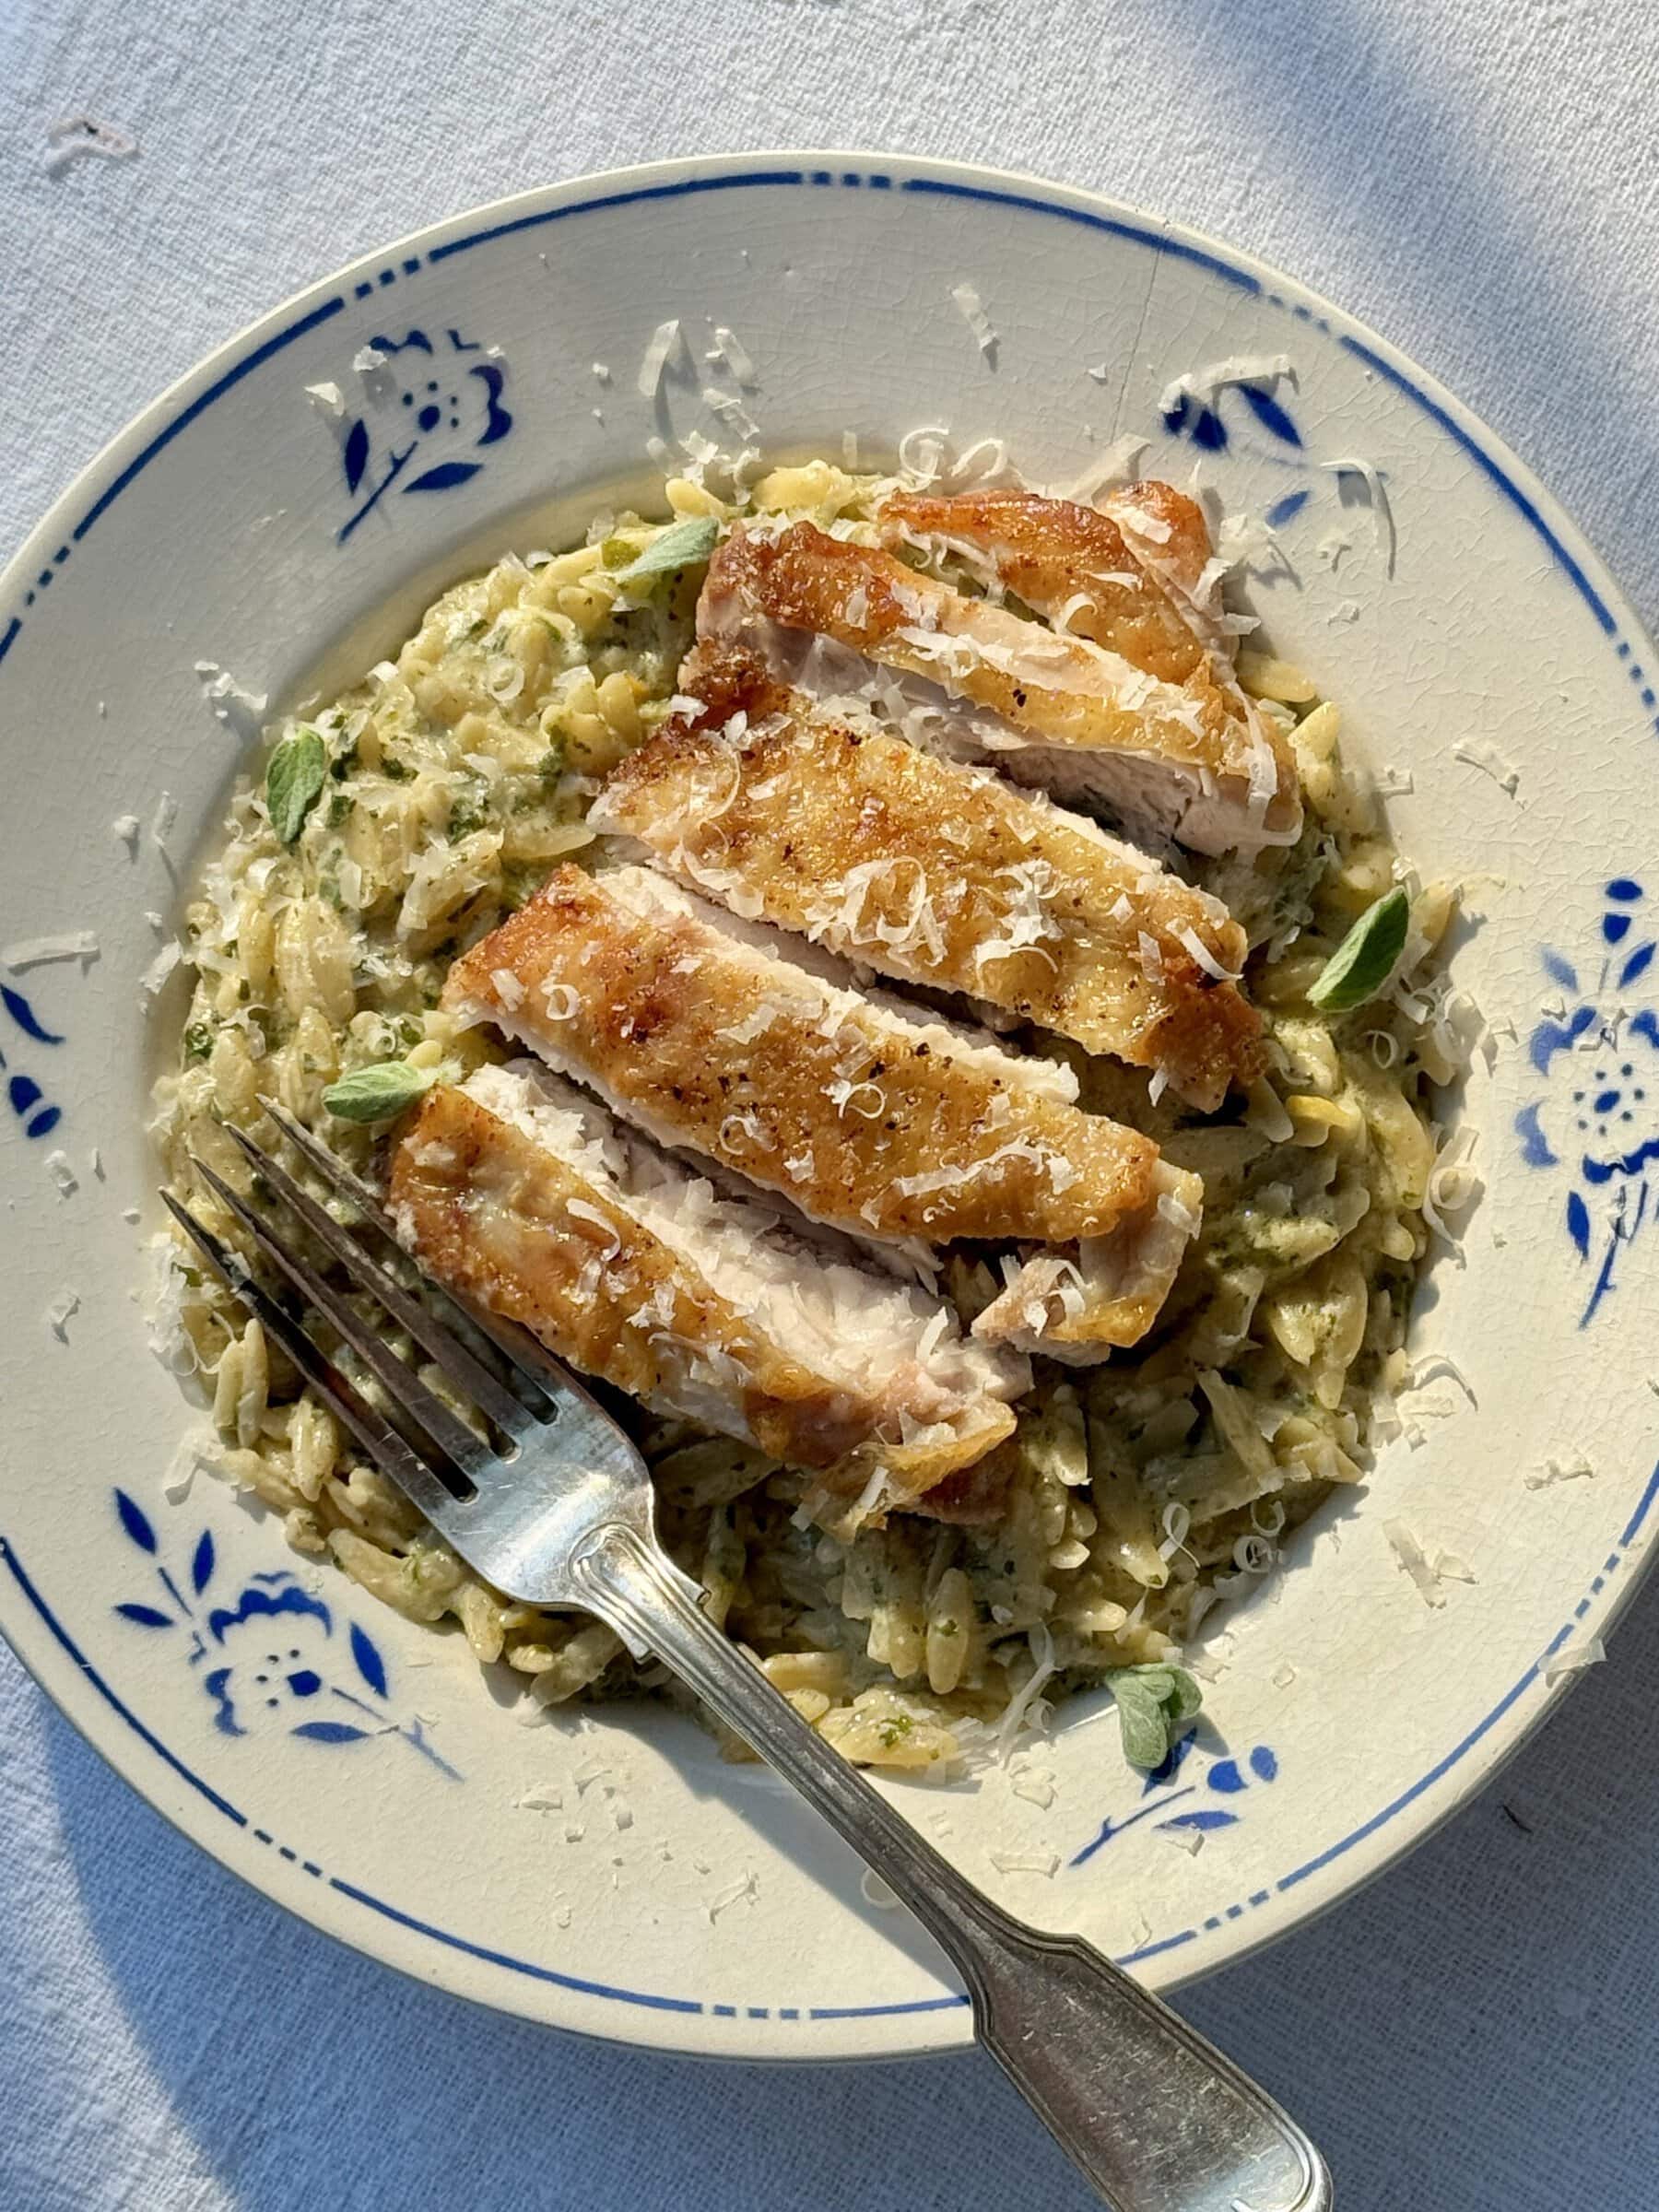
(293, 779)
(377, 1093)
(1365, 959)
(677, 549)
(1154, 1705)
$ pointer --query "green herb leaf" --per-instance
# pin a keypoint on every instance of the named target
(293, 779)
(1365, 959)
(377, 1093)
(1155, 1705)
(676, 549)
(198, 1041)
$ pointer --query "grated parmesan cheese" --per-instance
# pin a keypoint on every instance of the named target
(1576, 1470)
(36, 952)
(729, 349)
(1482, 757)
(1382, 521)
(1206, 959)
(1574, 1659)
(59, 1311)
(1025, 1862)
(661, 345)
(973, 314)
(1203, 384)
(1425, 1574)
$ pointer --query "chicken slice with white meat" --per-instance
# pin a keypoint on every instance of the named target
(701, 1030)
(526, 1196)
(1184, 759)
(934, 872)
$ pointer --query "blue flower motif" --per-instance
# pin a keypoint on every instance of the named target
(1597, 1115)
(24, 1095)
(439, 407)
(1222, 1778)
(277, 1664)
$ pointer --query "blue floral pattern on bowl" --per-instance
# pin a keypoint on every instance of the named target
(24, 1094)
(1596, 1116)
(1245, 412)
(1226, 1778)
(440, 407)
(271, 1659)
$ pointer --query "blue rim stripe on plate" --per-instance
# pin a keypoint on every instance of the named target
(1158, 244)
(200, 404)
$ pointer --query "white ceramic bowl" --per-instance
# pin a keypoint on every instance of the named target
(1497, 666)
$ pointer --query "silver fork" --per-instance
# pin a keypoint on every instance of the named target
(1155, 2116)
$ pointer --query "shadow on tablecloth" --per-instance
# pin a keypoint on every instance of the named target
(308, 2078)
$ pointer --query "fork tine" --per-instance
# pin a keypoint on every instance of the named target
(533, 1365)
(375, 1434)
(468, 1374)
(403, 1387)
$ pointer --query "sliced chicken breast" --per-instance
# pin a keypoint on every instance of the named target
(1079, 1305)
(527, 1197)
(865, 1115)
(937, 873)
(1169, 758)
(1126, 577)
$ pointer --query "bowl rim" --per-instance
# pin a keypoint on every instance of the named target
(921, 2028)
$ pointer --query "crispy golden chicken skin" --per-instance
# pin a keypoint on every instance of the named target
(1075, 716)
(936, 872)
(508, 1193)
(1079, 1304)
(1057, 556)
(865, 1117)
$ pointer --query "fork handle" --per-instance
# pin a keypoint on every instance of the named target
(1155, 2117)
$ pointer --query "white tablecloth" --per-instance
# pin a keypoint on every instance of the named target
(1478, 2033)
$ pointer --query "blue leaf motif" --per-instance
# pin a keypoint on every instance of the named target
(1616, 927)
(147, 1617)
(1281, 510)
(446, 476)
(330, 1732)
(1534, 1145)
(1208, 430)
(1559, 971)
(1263, 1764)
(1578, 1224)
(1269, 414)
(133, 1521)
(24, 1015)
(1204, 1822)
(1623, 888)
(1639, 962)
(201, 1563)
(1225, 1776)
(356, 454)
(369, 1664)
(497, 421)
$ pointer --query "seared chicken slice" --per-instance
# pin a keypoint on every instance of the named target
(1126, 577)
(1177, 758)
(526, 1197)
(865, 1116)
(937, 873)
(1078, 1305)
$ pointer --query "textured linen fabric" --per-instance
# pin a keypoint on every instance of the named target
(1479, 2033)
